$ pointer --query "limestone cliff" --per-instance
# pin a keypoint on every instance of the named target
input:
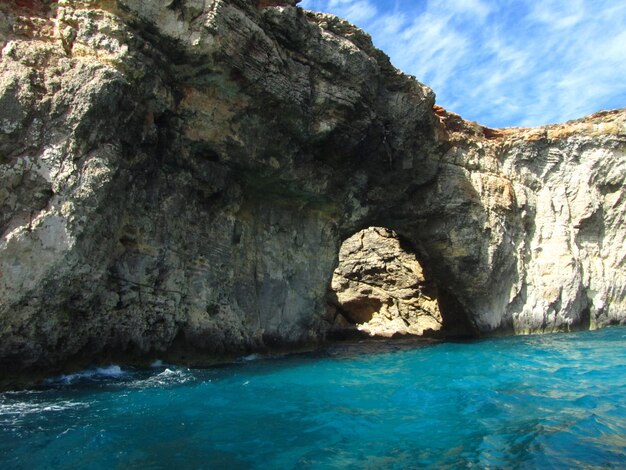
(179, 176)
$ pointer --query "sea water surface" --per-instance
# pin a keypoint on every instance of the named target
(552, 401)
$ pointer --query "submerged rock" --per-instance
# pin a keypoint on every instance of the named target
(179, 176)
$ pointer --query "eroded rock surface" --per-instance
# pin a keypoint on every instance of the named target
(179, 176)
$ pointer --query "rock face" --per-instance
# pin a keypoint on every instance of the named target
(179, 176)
(552, 213)
(380, 288)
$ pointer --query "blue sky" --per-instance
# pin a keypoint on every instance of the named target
(503, 62)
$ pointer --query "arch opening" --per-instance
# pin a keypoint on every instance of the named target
(381, 288)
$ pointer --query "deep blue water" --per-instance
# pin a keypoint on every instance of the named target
(553, 401)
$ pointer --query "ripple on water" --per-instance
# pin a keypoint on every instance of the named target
(554, 401)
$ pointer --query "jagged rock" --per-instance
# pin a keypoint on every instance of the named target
(179, 176)
(380, 288)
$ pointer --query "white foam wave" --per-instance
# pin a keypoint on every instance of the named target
(22, 408)
(111, 372)
(165, 378)
(251, 357)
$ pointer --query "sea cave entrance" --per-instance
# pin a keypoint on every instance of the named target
(381, 289)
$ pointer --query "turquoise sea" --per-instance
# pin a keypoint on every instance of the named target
(552, 401)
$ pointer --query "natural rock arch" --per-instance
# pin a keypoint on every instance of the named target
(182, 177)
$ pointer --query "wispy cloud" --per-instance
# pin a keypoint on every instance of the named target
(358, 11)
(503, 62)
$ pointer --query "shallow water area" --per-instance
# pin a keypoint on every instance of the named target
(555, 401)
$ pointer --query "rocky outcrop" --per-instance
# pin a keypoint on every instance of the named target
(379, 288)
(179, 176)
